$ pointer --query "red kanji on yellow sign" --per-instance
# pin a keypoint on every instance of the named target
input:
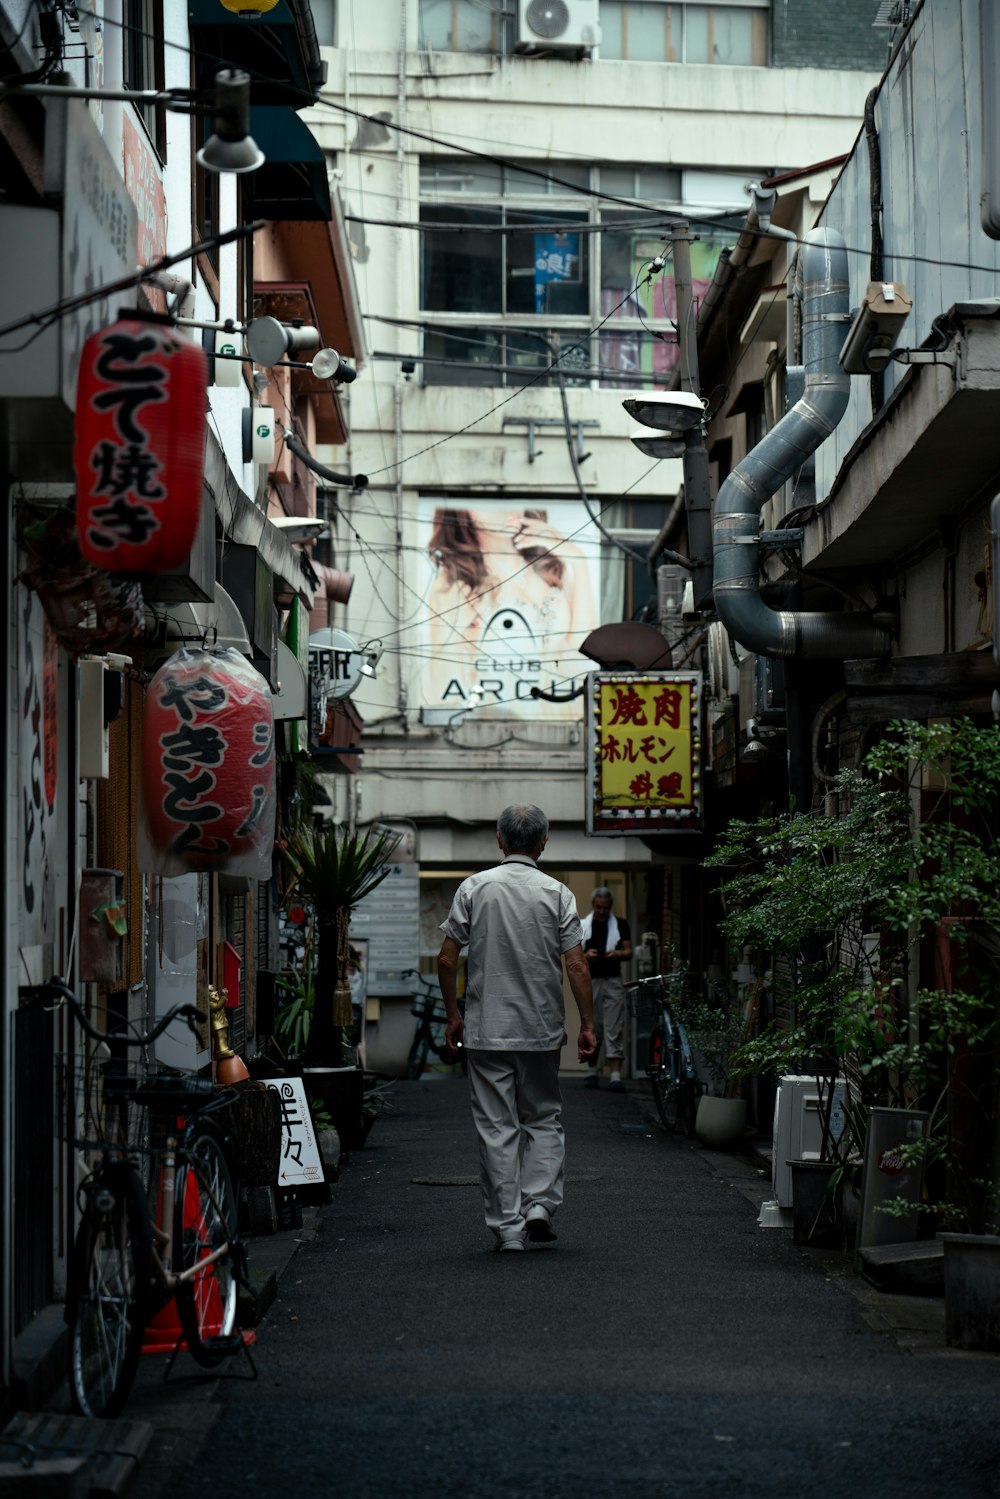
(643, 727)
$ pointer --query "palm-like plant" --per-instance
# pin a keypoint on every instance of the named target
(333, 872)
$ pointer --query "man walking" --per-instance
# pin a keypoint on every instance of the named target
(520, 927)
(607, 943)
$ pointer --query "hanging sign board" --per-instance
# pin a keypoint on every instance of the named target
(643, 752)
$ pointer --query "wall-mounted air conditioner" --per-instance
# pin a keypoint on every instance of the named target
(568, 26)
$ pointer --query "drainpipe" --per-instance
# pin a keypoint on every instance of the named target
(822, 277)
(397, 393)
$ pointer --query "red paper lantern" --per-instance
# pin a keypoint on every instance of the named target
(208, 765)
(140, 445)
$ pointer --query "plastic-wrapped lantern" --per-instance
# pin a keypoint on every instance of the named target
(140, 445)
(208, 766)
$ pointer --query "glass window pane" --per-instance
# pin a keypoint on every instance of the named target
(732, 35)
(612, 15)
(531, 352)
(547, 272)
(634, 352)
(460, 273)
(659, 185)
(521, 182)
(460, 174)
(619, 181)
(696, 34)
(651, 31)
(457, 26)
(624, 255)
(464, 357)
(325, 21)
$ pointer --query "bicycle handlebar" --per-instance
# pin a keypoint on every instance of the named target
(65, 995)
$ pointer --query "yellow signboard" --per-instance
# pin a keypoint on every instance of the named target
(645, 751)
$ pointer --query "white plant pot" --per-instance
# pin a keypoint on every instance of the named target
(720, 1122)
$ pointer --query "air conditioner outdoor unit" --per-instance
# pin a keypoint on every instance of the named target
(798, 1128)
(557, 26)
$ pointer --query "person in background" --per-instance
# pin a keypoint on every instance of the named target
(607, 944)
(521, 928)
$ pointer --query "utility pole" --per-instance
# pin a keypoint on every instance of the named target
(697, 489)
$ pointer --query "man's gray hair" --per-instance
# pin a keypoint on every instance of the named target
(602, 893)
(522, 829)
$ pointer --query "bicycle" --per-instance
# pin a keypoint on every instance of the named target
(670, 1064)
(432, 1018)
(145, 1236)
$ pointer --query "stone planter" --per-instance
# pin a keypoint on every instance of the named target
(720, 1122)
(816, 1210)
(972, 1291)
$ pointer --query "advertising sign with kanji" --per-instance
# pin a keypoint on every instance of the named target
(300, 1158)
(644, 752)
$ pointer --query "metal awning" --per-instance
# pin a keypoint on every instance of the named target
(292, 184)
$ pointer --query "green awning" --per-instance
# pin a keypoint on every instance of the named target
(292, 183)
(272, 46)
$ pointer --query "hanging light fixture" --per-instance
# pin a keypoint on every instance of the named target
(140, 443)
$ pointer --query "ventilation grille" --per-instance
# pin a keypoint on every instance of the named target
(548, 18)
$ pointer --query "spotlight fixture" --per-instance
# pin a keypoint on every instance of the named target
(657, 444)
(328, 365)
(672, 411)
(231, 147)
(268, 341)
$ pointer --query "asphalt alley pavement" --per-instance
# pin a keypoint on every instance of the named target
(665, 1345)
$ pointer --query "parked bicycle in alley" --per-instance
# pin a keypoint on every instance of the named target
(159, 1208)
(670, 1064)
(429, 1037)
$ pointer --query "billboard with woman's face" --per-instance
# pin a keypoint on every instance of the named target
(512, 591)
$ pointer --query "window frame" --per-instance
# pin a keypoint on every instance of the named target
(469, 325)
(143, 65)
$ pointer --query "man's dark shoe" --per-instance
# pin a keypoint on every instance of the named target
(590, 1081)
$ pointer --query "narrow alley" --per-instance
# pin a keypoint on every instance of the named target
(665, 1345)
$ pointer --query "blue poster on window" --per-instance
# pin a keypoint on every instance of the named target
(557, 258)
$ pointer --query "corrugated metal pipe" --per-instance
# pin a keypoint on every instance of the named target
(822, 285)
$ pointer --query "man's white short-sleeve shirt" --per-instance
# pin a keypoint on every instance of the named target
(516, 922)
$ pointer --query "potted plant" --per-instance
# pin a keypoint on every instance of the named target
(716, 1026)
(332, 871)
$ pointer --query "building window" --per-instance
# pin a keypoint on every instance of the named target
(557, 268)
(324, 14)
(464, 26)
(142, 64)
(681, 31)
(676, 31)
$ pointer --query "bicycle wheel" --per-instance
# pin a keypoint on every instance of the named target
(204, 1231)
(665, 1091)
(108, 1293)
(416, 1062)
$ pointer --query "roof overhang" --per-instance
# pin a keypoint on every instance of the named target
(931, 452)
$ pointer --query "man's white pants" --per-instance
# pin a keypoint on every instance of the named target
(517, 1108)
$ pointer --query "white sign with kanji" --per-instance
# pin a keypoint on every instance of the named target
(300, 1162)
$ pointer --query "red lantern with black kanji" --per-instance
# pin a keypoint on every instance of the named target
(140, 445)
(208, 786)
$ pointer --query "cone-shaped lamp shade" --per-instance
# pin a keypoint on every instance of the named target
(231, 148)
